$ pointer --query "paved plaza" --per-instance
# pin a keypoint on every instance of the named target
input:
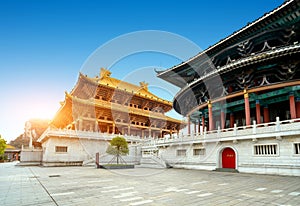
(141, 186)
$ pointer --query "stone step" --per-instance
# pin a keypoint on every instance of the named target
(226, 170)
(148, 162)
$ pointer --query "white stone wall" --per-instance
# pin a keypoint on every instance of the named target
(285, 163)
(31, 155)
(82, 150)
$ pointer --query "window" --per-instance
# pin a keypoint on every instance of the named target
(181, 152)
(296, 148)
(61, 149)
(266, 150)
(197, 152)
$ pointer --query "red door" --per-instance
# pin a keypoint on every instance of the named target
(228, 158)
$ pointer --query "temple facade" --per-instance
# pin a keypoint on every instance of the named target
(242, 96)
(98, 109)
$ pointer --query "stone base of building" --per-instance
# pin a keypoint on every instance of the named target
(290, 170)
(61, 164)
(29, 163)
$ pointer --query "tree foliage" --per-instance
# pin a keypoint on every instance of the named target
(2, 146)
(118, 146)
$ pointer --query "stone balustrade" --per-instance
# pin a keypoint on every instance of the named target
(85, 135)
(255, 131)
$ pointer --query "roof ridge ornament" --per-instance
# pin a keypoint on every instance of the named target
(104, 73)
(144, 85)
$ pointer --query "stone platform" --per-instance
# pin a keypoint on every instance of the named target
(141, 186)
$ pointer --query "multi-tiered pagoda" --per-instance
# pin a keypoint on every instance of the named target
(245, 92)
(98, 109)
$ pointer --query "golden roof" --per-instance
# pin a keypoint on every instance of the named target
(8, 146)
(106, 80)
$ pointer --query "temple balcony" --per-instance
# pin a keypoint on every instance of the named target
(254, 132)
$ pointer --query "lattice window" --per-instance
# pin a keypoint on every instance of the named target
(266, 150)
(197, 152)
(297, 148)
(181, 152)
(61, 149)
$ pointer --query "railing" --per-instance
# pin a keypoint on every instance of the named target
(254, 131)
(84, 135)
(272, 129)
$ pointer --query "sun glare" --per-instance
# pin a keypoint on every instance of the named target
(40, 111)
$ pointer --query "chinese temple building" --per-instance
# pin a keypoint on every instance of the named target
(243, 97)
(98, 109)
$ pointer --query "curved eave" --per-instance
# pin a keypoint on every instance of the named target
(63, 104)
(260, 57)
(61, 113)
(257, 24)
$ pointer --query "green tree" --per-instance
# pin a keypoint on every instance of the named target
(118, 146)
(2, 147)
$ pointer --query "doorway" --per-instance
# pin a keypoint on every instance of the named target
(228, 158)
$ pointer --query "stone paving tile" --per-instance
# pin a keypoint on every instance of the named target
(141, 186)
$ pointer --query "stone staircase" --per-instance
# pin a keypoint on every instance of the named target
(153, 162)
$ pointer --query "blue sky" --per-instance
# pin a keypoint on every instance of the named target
(43, 43)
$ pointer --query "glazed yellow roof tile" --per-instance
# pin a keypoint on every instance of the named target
(106, 80)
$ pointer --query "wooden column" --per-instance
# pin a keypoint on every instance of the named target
(114, 129)
(189, 125)
(247, 108)
(80, 124)
(298, 107)
(195, 128)
(231, 120)
(199, 126)
(96, 126)
(129, 129)
(210, 117)
(266, 114)
(222, 119)
(257, 105)
(292, 106)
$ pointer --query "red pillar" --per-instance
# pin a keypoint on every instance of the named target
(199, 125)
(222, 119)
(298, 107)
(210, 117)
(292, 106)
(17, 156)
(203, 123)
(257, 105)
(195, 128)
(189, 125)
(247, 108)
(266, 114)
(231, 120)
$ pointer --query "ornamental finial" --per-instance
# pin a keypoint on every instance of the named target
(104, 73)
(144, 85)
